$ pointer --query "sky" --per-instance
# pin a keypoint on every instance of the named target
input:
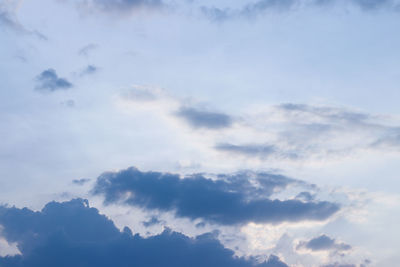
(258, 133)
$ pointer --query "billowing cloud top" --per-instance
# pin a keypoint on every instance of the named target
(228, 201)
(73, 234)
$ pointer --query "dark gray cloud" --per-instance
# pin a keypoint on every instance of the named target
(204, 119)
(49, 81)
(323, 242)
(80, 181)
(74, 234)
(229, 200)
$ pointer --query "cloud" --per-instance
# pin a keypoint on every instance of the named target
(297, 131)
(306, 196)
(141, 94)
(339, 265)
(84, 51)
(74, 234)
(120, 6)
(323, 243)
(259, 150)
(251, 9)
(8, 19)
(153, 221)
(48, 80)
(80, 181)
(329, 113)
(90, 69)
(204, 119)
(255, 150)
(229, 200)
(70, 103)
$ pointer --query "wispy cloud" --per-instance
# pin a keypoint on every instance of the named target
(8, 19)
(257, 8)
(87, 49)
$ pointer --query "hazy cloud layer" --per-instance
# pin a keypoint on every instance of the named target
(260, 7)
(297, 131)
(49, 81)
(121, 6)
(229, 200)
(73, 234)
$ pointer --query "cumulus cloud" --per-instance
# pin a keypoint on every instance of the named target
(204, 119)
(323, 243)
(74, 234)
(49, 81)
(229, 200)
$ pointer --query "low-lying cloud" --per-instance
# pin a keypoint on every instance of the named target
(229, 200)
(74, 234)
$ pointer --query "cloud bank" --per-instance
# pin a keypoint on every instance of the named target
(230, 200)
(74, 234)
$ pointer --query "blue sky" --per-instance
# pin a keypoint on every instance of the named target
(258, 133)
